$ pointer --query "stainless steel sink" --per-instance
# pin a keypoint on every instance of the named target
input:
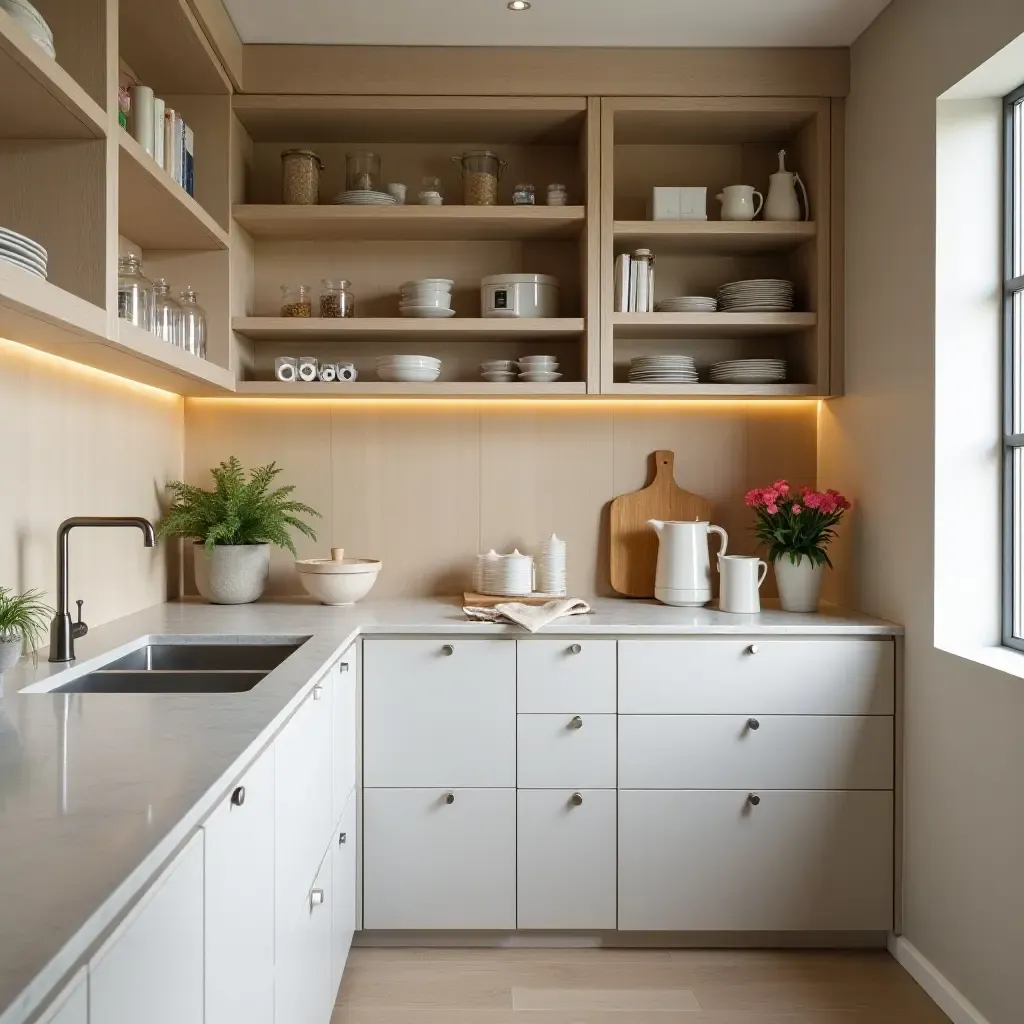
(194, 681)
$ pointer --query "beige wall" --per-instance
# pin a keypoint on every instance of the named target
(80, 442)
(425, 486)
(964, 825)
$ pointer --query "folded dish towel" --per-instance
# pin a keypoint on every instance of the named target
(531, 617)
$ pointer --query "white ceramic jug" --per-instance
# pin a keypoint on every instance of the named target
(782, 202)
(738, 202)
(684, 565)
(741, 579)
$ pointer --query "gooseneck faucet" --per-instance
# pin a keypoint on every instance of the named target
(64, 632)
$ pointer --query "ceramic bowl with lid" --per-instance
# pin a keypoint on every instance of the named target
(338, 581)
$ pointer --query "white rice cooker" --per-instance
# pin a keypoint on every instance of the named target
(519, 295)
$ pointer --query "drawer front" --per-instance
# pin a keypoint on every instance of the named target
(344, 679)
(566, 859)
(343, 905)
(756, 677)
(782, 752)
(710, 861)
(556, 751)
(430, 864)
(566, 676)
(435, 719)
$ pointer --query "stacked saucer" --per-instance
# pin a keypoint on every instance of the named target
(411, 369)
(664, 369)
(428, 297)
(767, 295)
(504, 575)
(22, 252)
(749, 371)
(551, 567)
(539, 369)
(32, 22)
(498, 371)
(687, 304)
(364, 197)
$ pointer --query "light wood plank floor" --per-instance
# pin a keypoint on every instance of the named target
(588, 986)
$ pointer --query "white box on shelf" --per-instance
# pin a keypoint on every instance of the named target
(664, 203)
(679, 202)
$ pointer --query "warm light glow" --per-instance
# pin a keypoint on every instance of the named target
(589, 402)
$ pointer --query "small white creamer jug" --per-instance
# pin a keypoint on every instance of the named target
(684, 564)
(741, 579)
(738, 202)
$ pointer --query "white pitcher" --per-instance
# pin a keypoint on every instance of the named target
(742, 576)
(782, 202)
(684, 565)
(738, 202)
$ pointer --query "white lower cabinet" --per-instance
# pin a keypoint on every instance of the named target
(151, 967)
(769, 861)
(437, 858)
(343, 904)
(72, 1005)
(566, 859)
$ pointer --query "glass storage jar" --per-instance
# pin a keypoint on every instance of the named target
(193, 323)
(480, 171)
(336, 299)
(295, 300)
(430, 192)
(558, 195)
(524, 195)
(135, 294)
(362, 171)
(166, 314)
(300, 177)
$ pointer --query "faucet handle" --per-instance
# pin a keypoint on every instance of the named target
(80, 602)
(79, 628)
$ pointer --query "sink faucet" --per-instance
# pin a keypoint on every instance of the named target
(64, 632)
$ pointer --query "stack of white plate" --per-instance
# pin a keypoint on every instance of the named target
(32, 22)
(749, 371)
(663, 369)
(22, 252)
(504, 575)
(767, 295)
(539, 369)
(364, 197)
(428, 297)
(409, 369)
(687, 304)
(498, 371)
(551, 567)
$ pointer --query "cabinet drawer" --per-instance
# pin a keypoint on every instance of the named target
(439, 711)
(566, 676)
(566, 859)
(556, 751)
(756, 677)
(343, 907)
(783, 752)
(711, 861)
(345, 680)
(430, 864)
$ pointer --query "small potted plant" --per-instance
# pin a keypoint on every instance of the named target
(24, 620)
(233, 527)
(796, 526)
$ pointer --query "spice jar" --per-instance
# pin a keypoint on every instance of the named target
(523, 195)
(295, 300)
(167, 314)
(336, 300)
(300, 177)
(480, 171)
(193, 323)
(430, 192)
(135, 293)
(362, 171)
(558, 195)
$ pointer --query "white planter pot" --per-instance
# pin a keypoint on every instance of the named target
(799, 584)
(10, 652)
(232, 573)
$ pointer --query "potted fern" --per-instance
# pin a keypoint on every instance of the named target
(24, 620)
(233, 527)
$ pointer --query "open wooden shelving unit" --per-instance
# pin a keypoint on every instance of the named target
(467, 329)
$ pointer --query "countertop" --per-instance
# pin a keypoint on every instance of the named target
(98, 790)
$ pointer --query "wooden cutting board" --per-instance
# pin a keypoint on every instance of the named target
(634, 545)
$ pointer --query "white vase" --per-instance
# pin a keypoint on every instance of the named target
(232, 573)
(799, 583)
(10, 652)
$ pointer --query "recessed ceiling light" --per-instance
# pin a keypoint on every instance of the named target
(518, 5)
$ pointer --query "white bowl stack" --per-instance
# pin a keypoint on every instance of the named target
(663, 369)
(22, 252)
(538, 369)
(33, 23)
(364, 197)
(409, 369)
(762, 295)
(749, 371)
(687, 304)
(428, 297)
(498, 371)
(504, 575)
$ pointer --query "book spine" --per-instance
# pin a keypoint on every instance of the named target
(642, 285)
(190, 161)
(169, 116)
(158, 131)
(634, 271)
(622, 284)
(180, 154)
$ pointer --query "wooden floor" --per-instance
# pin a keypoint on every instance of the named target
(535, 986)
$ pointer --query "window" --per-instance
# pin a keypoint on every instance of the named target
(1013, 374)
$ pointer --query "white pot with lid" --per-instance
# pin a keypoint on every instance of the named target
(519, 295)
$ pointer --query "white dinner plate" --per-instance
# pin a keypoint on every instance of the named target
(428, 312)
(7, 235)
(21, 265)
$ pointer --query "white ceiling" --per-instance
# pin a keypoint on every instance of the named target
(555, 22)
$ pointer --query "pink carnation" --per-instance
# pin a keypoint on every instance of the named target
(782, 486)
(797, 509)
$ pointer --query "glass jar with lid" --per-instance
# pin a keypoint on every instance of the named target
(135, 294)
(481, 169)
(430, 192)
(295, 300)
(193, 323)
(336, 299)
(300, 177)
(166, 314)
(362, 172)
(524, 195)
(558, 195)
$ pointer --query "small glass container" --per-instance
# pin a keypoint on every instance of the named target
(336, 299)
(362, 172)
(558, 195)
(430, 192)
(295, 300)
(397, 192)
(300, 177)
(480, 171)
(524, 195)
(135, 293)
(167, 314)
(193, 323)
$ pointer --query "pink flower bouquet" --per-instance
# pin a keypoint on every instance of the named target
(796, 522)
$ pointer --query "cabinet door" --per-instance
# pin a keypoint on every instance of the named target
(566, 859)
(303, 993)
(439, 712)
(343, 921)
(429, 864)
(151, 967)
(565, 676)
(345, 680)
(72, 1005)
(558, 751)
(713, 861)
(239, 885)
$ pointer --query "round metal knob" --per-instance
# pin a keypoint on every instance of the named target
(447, 650)
(576, 799)
(449, 798)
(753, 799)
(238, 797)
(316, 898)
(576, 722)
(753, 649)
(318, 692)
(753, 724)
(575, 649)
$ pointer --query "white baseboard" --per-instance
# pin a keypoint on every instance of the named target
(958, 1009)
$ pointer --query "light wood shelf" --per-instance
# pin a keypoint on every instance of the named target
(714, 236)
(164, 366)
(710, 325)
(156, 213)
(41, 100)
(735, 391)
(408, 328)
(411, 223)
(437, 389)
